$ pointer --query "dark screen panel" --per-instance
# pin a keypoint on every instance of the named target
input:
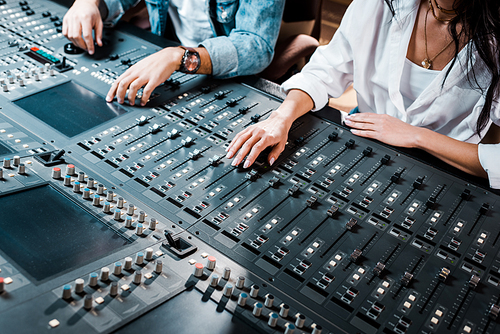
(45, 233)
(4, 149)
(70, 108)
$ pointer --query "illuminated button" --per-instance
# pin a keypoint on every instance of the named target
(274, 221)
(338, 257)
(356, 277)
(268, 226)
(407, 304)
(412, 209)
(434, 320)
(54, 323)
(288, 238)
(148, 276)
(412, 298)
(415, 205)
(483, 235)
(456, 229)
(310, 250)
(460, 224)
(480, 241)
(125, 287)
(295, 233)
(361, 271)
(439, 313)
(437, 214)
(333, 263)
(385, 284)
(236, 199)
(315, 245)
(467, 329)
(380, 291)
(249, 215)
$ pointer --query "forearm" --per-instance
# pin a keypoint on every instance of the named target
(461, 155)
(296, 104)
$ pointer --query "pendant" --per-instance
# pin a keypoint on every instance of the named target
(426, 63)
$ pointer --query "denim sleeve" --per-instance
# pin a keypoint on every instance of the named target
(116, 8)
(249, 47)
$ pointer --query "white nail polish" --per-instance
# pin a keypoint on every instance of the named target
(247, 164)
(271, 162)
(234, 163)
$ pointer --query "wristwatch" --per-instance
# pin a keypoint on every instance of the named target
(191, 61)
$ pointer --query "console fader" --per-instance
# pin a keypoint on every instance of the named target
(110, 211)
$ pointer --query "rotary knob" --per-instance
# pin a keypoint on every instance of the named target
(242, 299)
(158, 267)
(198, 270)
(109, 196)
(70, 169)
(66, 292)
(257, 309)
(214, 280)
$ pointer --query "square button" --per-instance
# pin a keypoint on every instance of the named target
(439, 313)
(407, 304)
(412, 298)
(54, 323)
(434, 320)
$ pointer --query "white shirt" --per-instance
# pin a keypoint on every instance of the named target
(190, 20)
(369, 50)
(414, 81)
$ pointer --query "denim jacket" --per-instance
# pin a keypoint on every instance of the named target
(246, 31)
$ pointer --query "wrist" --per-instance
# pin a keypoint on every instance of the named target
(421, 137)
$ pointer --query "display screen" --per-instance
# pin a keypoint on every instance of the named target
(45, 233)
(4, 149)
(70, 108)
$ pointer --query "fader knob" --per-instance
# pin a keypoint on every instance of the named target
(79, 284)
(128, 263)
(76, 187)
(66, 292)
(211, 262)
(117, 215)
(137, 277)
(152, 224)
(70, 169)
(21, 169)
(242, 299)
(117, 269)
(257, 309)
(139, 229)
(6, 163)
(109, 196)
(17, 160)
(198, 270)
(67, 180)
(158, 266)
(254, 291)
(273, 319)
(214, 280)
(93, 279)
(240, 282)
(289, 328)
(100, 189)
(113, 290)
(228, 290)
(142, 216)
(86, 193)
(139, 258)
(90, 183)
(284, 308)
(87, 303)
(104, 274)
(81, 176)
(301, 319)
(317, 329)
(149, 254)
(96, 201)
(226, 273)
(128, 222)
(106, 208)
(119, 204)
(269, 301)
(131, 209)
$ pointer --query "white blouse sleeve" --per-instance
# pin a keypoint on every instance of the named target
(489, 157)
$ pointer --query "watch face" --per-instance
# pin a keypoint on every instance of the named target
(191, 62)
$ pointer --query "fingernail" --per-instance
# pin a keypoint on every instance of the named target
(227, 148)
(354, 131)
(108, 99)
(247, 164)
(271, 162)
(234, 163)
(229, 155)
(120, 101)
(348, 121)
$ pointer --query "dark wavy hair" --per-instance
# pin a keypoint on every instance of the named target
(480, 20)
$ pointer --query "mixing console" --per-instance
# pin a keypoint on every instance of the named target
(110, 211)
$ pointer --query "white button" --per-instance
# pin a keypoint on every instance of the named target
(289, 238)
(483, 235)
(437, 215)
(433, 220)
(361, 271)
(460, 224)
(310, 250)
(54, 323)
(411, 209)
(236, 199)
(380, 291)
(295, 233)
(467, 329)
(315, 245)
(407, 305)
(338, 257)
(394, 195)
(435, 320)
(255, 210)
(333, 263)
(385, 284)
(218, 190)
(374, 185)
(269, 226)
(415, 205)
(439, 313)
(274, 221)
(230, 204)
(99, 300)
(412, 298)
(249, 215)
(356, 277)
(480, 241)
(211, 193)
(456, 229)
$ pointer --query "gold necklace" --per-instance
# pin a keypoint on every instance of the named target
(445, 11)
(431, 7)
(427, 63)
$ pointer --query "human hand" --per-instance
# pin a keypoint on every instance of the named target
(256, 138)
(149, 72)
(384, 128)
(80, 20)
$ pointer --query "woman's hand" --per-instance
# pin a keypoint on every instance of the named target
(384, 128)
(256, 138)
(150, 72)
(79, 22)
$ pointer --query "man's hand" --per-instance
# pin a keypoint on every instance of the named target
(150, 72)
(79, 22)
(384, 128)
